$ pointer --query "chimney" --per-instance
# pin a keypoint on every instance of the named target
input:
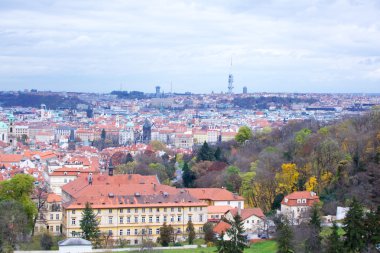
(90, 179)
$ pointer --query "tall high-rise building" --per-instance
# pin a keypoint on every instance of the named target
(245, 90)
(158, 92)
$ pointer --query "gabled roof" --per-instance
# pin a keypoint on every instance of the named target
(247, 213)
(221, 227)
(291, 199)
(214, 194)
(218, 209)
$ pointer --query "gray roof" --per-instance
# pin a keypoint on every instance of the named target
(74, 241)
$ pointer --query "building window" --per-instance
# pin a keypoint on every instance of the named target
(165, 218)
(129, 210)
(51, 216)
(136, 210)
(99, 211)
(172, 209)
(200, 218)
(150, 231)
(73, 211)
(201, 230)
(109, 210)
(165, 209)
(150, 210)
(56, 228)
(136, 232)
(110, 220)
(157, 209)
(136, 219)
(189, 209)
(150, 219)
(143, 231)
(172, 219)
(73, 221)
(136, 241)
(128, 232)
(157, 219)
(128, 219)
(121, 210)
(195, 209)
(121, 232)
(110, 232)
(143, 219)
(57, 216)
(157, 231)
(179, 209)
(179, 218)
(178, 230)
(121, 220)
(200, 208)
(143, 209)
(189, 218)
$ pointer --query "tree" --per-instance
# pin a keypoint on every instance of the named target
(334, 244)
(313, 242)
(287, 179)
(233, 179)
(166, 235)
(353, 225)
(89, 224)
(208, 231)
(129, 158)
(205, 153)
(300, 136)
(188, 176)
(284, 236)
(218, 154)
(40, 198)
(103, 135)
(244, 134)
(20, 189)
(13, 223)
(46, 241)
(372, 229)
(235, 233)
(191, 231)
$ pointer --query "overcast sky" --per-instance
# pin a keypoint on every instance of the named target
(278, 45)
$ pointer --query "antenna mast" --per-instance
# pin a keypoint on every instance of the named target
(230, 80)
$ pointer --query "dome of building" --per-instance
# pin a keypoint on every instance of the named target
(3, 125)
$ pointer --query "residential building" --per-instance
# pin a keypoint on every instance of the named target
(296, 206)
(217, 197)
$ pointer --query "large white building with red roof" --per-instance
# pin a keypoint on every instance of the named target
(218, 197)
(296, 206)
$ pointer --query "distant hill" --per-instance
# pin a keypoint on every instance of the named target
(51, 101)
(262, 103)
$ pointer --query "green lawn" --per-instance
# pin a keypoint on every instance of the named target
(259, 247)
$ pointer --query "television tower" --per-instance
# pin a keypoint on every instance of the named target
(230, 80)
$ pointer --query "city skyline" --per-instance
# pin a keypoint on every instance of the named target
(276, 46)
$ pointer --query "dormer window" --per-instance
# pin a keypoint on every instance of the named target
(299, 201)
(303, 201)
(286, 200)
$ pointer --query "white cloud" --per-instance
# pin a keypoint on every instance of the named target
(146, 42)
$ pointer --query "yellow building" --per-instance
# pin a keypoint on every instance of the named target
(131, 207)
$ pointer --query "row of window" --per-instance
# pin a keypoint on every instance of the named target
(143, 210)
(143, 219)
(56, 216)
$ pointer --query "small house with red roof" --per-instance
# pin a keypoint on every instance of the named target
(296, 206)
(253, 218)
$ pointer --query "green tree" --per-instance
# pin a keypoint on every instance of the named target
(313, 242)
(190, 229)
(353, 225)
(46, 241)
(208, 231)
(218, 154)
(129, 158)
(284, 236)
(233, 179)
(20, 189)
(188, 176)
(222, 246)
(372, 229)
(166, 235)
(89, 224)
(103, 134)
(301, 135)
(334, 244)
(238, 240)
(205, 153)
(13, 224)
(244, 134)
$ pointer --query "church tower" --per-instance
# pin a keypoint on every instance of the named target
(12, 139)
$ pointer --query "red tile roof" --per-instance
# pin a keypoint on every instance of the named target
(221, 227)
(249, 212)
(214, 194)
(291, 199)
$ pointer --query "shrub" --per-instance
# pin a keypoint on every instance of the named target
(46, 241)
